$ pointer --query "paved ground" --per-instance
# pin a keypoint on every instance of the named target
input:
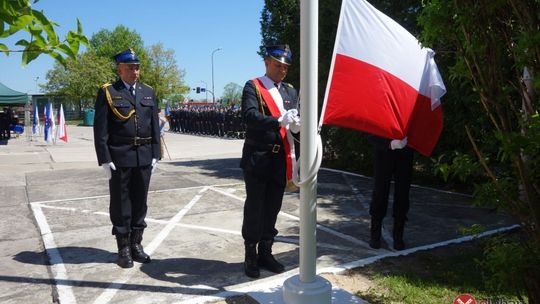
(55, 241)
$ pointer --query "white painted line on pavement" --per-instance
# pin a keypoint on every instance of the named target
(109, 293)
(366, 261)
(276, 281)
(336, 233)
(65, 293)
(415, 186)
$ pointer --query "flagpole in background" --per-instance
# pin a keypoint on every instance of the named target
(307, 287)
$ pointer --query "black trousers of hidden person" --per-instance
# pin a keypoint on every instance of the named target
(128, 188)
(264, 196)
(387, 164)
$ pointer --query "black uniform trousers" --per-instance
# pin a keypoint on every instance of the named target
(264, 195)
(387, 164)
(128, 188)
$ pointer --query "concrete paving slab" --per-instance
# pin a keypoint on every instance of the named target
(56, 240)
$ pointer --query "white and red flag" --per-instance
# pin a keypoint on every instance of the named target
(62, 128)
(382, 81)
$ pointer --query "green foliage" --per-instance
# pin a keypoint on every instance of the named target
(18, 16)
(232, 92)
(442, 275)
(79, 80)
(106, 43)
(459, 166)
(162, 72)
(505, 263)
(471, 230)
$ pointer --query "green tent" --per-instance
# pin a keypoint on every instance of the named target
(12, 97)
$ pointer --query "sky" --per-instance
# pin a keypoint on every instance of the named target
(193, 29)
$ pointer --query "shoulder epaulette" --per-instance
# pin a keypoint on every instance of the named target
(289, 85)
(106, 85)
(147, 85)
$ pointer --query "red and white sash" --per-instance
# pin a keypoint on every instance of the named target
(274, 102)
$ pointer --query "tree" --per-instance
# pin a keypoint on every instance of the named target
(162, 72)
(106, 44)
(79, 80)
(18, 16)
(493, 51)
(232, 92)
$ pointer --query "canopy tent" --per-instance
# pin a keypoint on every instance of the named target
(12, 97)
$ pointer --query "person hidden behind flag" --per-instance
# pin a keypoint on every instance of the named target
(382, 81)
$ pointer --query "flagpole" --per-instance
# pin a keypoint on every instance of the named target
(307, 287)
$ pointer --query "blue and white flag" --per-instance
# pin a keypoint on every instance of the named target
(49, 125)
(35, 122)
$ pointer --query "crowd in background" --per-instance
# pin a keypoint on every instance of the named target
(207, 120)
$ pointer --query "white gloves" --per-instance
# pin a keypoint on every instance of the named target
(291, 119)
(398, 143)
(154, 164)
(107, 167)
(287, 118)
(295, 126)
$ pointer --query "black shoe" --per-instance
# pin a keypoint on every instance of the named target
(124, 253)
(251, 268)
(138, 254)
(124, 258)
(137, 251)
(267, 260)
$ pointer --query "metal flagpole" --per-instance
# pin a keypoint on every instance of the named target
(307, 287)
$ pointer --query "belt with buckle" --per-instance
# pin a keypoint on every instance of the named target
(135, 141)
(275, 148)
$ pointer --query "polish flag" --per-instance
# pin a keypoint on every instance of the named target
(382, 81)
(62, 128)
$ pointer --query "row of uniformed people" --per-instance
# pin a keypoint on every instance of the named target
(207, 120)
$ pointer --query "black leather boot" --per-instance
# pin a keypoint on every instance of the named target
(399, 227)
(266, 259)
(124, 253)
(375, 235)
(251, 268)
(137, 251)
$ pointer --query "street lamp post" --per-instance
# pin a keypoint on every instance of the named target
(36, 80)
(213, 95)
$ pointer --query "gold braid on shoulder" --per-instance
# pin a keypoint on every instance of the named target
(259, 97)
(113, 108)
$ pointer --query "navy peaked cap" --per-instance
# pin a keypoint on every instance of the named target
(127, 56)
(280, 52)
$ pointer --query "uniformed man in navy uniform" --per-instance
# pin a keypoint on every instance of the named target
(127, 142)
(393, 159)
(269, 108)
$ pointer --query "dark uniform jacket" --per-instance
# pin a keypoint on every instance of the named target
(131, 142)
(262, 128)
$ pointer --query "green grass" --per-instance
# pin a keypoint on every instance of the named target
(433, 278)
